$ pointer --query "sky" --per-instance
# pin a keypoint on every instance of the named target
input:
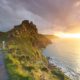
(48, 15)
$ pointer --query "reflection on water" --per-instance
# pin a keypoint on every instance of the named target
(66, 54)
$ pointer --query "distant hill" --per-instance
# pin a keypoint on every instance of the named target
(51, 36)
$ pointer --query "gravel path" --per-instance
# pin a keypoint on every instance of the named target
(3, 73)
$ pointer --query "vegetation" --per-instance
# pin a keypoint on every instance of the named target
(24, 59)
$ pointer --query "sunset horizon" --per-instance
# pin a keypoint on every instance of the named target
(39, 39)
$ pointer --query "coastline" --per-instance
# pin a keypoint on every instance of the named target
(71, 74)
(54, 60)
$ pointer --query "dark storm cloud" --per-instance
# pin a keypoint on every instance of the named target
(46, 8)
(12, 13)
(42, 12)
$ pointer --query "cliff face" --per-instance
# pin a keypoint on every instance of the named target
(27, 30)
(24, 60)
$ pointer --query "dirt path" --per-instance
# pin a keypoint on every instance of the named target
(3, 73)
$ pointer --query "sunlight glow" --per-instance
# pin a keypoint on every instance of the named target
(67, 35)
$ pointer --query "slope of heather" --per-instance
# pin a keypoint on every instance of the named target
(24, 59)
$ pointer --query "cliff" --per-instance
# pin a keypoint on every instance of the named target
(24, 59)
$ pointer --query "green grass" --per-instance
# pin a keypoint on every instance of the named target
(26, 67)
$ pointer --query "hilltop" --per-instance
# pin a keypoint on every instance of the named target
(24, 59)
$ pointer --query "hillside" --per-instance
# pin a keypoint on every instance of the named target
(24, 59)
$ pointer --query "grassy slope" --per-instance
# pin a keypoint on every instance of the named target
(25, 61)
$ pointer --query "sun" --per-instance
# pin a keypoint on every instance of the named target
(67, 35)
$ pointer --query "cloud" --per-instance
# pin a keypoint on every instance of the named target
(13, 15)
(44, 13)
(77, 4)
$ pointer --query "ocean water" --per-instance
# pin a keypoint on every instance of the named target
(65, 53)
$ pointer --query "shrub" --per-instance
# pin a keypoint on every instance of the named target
(44, 69)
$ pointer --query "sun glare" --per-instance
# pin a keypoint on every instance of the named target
(67, 35)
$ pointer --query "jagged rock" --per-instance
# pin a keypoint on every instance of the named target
(24, 28)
